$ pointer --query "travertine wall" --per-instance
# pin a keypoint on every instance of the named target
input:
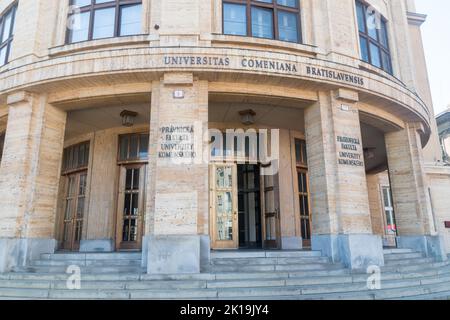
(30, 167)
(175, 187)
(439, 181)
(409, 185)
(339, 196)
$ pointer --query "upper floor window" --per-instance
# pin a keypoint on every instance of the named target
(271, 19)
(2, 144)
(373, 37)
(97, 19)
(76, 157)
(6, 33)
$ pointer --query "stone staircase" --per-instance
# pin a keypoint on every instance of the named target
(243, 275)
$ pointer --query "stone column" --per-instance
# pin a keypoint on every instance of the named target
(412, 205)
(177, 224)
(29, 176)
(341, 224)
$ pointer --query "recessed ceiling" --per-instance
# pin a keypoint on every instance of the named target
(95, 119)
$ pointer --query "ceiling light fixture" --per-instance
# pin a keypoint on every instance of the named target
(128, 118)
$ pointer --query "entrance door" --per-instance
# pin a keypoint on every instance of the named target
(74, 211)
(223, 189)
(305, 212)
(249, 204)
(131, 203)
(390, 228)
(271, 213)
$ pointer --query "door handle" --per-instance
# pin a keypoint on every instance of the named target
(235, 215)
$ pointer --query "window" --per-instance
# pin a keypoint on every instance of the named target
(6, 33)
(2, 144)
(373, 37)
(133, 147)
(97, 19)
(76, 157)
(270, 19)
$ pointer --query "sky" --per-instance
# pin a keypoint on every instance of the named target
(436, 38)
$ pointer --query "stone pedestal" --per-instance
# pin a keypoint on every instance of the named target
(173, 254)
(19, 252)
(291, 243)
(431, 246)
(355, 251)
(99, 245)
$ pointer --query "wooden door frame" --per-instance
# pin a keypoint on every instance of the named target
(382, 186)
(215, 243)
(120, 198)
(277, 212)
(295, 167)
(67, 176)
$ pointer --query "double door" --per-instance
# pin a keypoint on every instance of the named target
(224, 204)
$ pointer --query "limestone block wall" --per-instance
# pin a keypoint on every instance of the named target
(409, 185)
(439, 182)
(30, 167)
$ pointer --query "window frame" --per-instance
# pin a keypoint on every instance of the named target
(2, 144)
(69, 151)
(133, 160)
(117, 4)
(11, 8)
(369, 40)
(275, 8)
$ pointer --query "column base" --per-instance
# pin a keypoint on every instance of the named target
(355, 251)
(19, 252)
(101, 245)
(431, 246)
(173, 254)
(291, 243)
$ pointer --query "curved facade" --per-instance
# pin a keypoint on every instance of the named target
(174, 127)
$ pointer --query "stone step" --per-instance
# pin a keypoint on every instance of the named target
(409, 261)
(263, 254)
(401, 256)
(93, 256)
(269, 261)
(84, 270)
(414, 267)
(396, 251)
(214, 281)
(101, 263)
(267, 268)
(217, 289)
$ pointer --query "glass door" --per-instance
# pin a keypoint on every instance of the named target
(224, 208)
(74, 210)
(131, 203)
(390, 226)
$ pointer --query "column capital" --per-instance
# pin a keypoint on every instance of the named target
(346, 95)
(18, 97)
(178, 78)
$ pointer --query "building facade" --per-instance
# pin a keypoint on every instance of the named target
(179, 127)
(443, 123)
